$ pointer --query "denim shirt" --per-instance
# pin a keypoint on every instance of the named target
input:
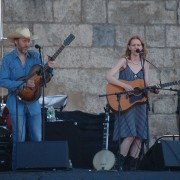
(11, 70)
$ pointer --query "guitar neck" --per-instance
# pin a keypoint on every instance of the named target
(67, 41)
(54, 56)
(170, 84)
(57, 53)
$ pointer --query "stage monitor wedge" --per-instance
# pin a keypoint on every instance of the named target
(42, 155)
(164, 155)
(171, 153)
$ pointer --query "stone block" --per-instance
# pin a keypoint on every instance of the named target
(67, 11)
(94, 103)
(160, 125)
(25, 10)
(144, 12)
(173, 36)
(103, 36)
(171, 5)
(155, 76)
(164, 104)
(161, 57)
(125, 32)
(176, 57)
(94, 11)
(155, 36)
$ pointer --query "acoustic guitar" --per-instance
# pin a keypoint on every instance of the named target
(128, 100)
(31, 94)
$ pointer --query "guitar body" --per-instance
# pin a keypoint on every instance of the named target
(104, 160)
(31, 94)
(126, 100)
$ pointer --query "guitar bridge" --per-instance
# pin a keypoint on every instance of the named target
(133, 99)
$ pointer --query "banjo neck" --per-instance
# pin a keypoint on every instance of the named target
(106, 129)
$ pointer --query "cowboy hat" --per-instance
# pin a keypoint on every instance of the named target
(21, 32)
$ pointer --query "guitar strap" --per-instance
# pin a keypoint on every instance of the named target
(31, 54)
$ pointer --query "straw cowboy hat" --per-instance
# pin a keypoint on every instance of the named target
(22, 32)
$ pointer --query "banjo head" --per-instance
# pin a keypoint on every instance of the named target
(104, 160)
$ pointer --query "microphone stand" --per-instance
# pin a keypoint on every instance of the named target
(43, 85)
(157, 69)
(118, 94)
(146, 94)
(15, 93)
(178, 93)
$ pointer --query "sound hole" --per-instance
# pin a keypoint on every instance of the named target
(137, 91)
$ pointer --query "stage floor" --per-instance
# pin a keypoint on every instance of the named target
(85, 174)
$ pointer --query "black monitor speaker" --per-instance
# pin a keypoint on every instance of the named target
(38, 155)
(164, 155)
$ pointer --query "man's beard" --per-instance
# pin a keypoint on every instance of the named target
(23, 50)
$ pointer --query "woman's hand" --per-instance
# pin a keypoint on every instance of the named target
(127, 87)
(157, 89)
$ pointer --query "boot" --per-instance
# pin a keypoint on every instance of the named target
(132, 163)
(127, 163)
(120, 160)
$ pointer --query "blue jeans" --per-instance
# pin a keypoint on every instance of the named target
(34, 124)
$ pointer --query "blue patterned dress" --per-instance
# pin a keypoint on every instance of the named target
(133, 122)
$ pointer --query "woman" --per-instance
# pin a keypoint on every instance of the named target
(130, 126)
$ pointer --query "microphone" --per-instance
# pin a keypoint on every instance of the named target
(38, 46)
(139, 51)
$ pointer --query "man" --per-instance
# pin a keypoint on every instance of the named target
(16, 64)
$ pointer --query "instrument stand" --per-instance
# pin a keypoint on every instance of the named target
(43, 86)
(104, 159)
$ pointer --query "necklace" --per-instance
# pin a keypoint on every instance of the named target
(135, 63)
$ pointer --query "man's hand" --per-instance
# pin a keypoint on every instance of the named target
(30, 83)
(51, 64)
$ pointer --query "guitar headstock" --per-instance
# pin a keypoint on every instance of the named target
(69, 39)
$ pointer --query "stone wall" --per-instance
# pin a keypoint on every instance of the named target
(102, 29)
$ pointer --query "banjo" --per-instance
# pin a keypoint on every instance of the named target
(104, 159)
